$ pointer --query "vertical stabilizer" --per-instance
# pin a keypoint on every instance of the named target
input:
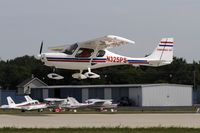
(72, 101)
(163, 53)
(10, 101)
(28, 98)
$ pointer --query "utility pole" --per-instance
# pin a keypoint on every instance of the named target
(194, 79)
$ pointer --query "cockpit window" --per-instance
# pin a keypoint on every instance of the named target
(70, 50)
(101, 53)
(84, 52)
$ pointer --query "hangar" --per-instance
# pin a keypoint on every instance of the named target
(142, 94)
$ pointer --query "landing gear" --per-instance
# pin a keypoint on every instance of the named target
(113, 110)
(40, 110)
(86, 75)
(79, 75)
(54, 75)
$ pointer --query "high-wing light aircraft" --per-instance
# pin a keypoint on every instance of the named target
(28, 105)
(72, 104)
(93, 54)
(102, 104)
(67, 103)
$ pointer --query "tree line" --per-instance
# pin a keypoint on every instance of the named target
(15, 71)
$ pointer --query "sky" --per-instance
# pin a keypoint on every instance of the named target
(25, 23)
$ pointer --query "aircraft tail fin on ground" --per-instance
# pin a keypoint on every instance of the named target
(163, 53)
(28, 98)
(10, 101)
(72, 101)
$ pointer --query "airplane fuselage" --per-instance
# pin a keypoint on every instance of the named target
(64, 61)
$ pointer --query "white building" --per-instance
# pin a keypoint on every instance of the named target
(166, 95)
(142, 95)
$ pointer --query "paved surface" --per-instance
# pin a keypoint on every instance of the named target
(101, 120)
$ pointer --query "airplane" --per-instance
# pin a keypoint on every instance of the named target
(93, 54)
(102, 104)
(67, 103)
(54, 104)
(72, 104)
(27, 105)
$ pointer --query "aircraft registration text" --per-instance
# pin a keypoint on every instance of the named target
(116, 59)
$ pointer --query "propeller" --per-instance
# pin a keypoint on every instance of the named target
(41, 47)
(39, 55)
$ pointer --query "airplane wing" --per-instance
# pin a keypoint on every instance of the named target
(58, 48)
(99, 103)
(4, 107)
(108, 41)
(53, 99)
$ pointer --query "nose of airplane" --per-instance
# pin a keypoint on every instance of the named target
(41, 57)
(38, 57)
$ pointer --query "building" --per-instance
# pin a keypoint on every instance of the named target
(25, 87)
(196, 95)
(141, 95)
(12, 93)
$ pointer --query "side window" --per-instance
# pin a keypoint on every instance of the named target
(70, 50)
(101, 53)
(84, 52)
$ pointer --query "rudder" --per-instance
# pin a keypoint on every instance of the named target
(10, 101)
(163, 54)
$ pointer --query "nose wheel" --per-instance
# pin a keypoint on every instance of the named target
(89, 75)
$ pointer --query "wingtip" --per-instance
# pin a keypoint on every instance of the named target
(121, 38)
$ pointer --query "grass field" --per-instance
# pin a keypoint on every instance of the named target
(101, 130)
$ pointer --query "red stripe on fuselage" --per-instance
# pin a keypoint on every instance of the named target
(167, 42)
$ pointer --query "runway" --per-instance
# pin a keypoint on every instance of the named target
(101, 120)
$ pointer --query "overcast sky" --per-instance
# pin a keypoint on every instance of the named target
(25, 23)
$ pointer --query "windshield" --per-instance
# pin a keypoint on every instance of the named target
(70, 49)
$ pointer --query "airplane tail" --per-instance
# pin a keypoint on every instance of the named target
(28, 98)
(163, 53)
(72, 101)
(10, 101)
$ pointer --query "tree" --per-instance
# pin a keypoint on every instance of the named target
(13, 72)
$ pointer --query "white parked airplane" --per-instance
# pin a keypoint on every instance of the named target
(93, 54)
(66, 103)
(102, 104)
(72, 104)
(28, 105)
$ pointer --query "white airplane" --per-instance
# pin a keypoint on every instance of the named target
(102, 104)
(28, 105)
(67, 103)
(93, 54)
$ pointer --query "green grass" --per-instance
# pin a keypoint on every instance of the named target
(100, 130)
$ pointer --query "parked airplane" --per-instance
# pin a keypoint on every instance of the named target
(72, 104)
(102, 104)
(93, 54)
(28, 105)
(67, 103)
